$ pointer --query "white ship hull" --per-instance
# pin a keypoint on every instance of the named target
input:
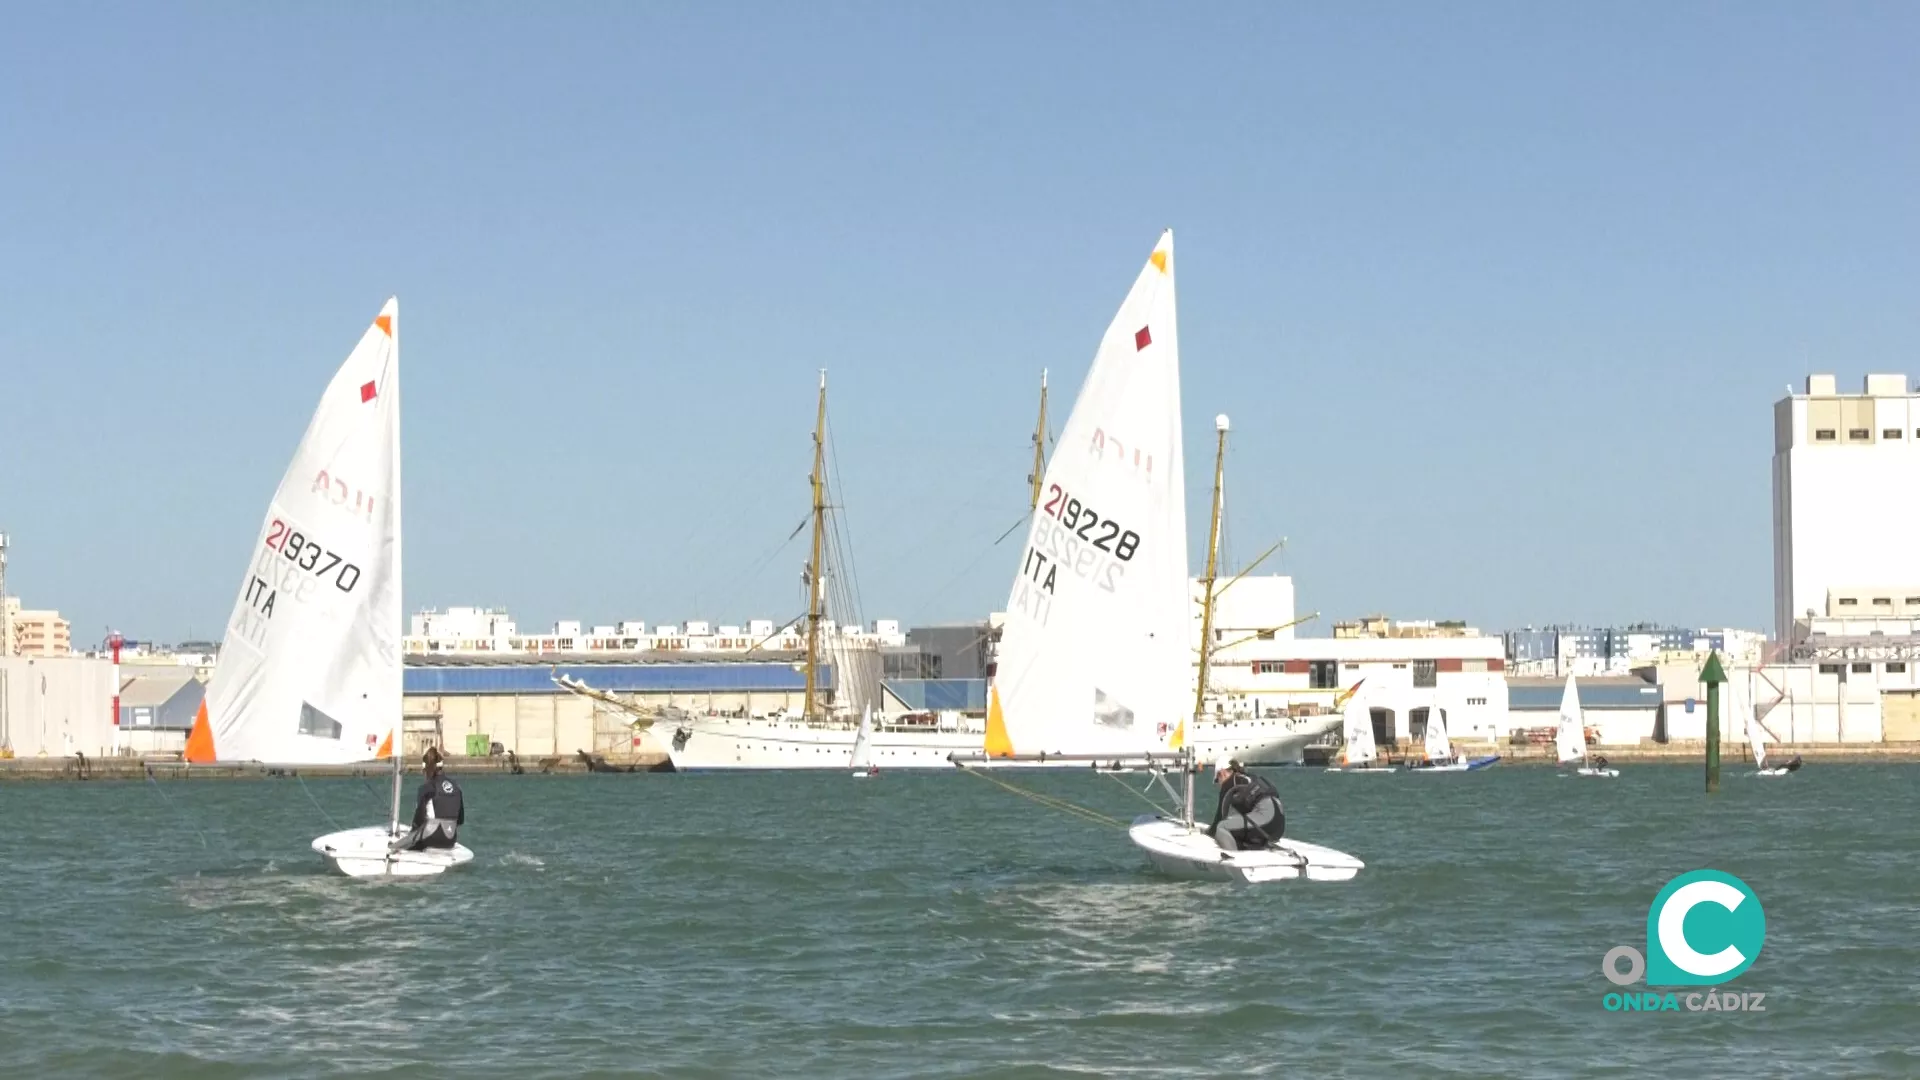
(725, 742)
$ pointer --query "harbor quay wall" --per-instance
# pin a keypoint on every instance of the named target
(169, 769)
(1677, 752)
(544, 723)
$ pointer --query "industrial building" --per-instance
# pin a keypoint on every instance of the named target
(1845, 467)
(1845, 566)
(157, 707)
(1559, 651)
(1617, 710)
(55, 706)
(469, 704)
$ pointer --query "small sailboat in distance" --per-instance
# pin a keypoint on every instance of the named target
(1570, 738)
(1740, 707)
(1437, 748)
(309, 670)
(1361, 754)
(862, 760)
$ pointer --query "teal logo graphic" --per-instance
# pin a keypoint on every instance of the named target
(1703, 929)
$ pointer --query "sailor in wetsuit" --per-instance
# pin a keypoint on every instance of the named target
(439, 811)
(1249, 815)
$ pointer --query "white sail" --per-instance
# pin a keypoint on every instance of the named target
(309, 670)
(862, 753)
(1358, 729)
(1570, 740)
(1438, 746)
(1096, 655)
(856, 672)
(1741, 713)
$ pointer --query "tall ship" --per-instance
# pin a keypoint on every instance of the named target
(843, 685)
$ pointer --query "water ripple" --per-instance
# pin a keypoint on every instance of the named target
(930, 926)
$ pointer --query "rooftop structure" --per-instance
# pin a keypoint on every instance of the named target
(1845, 466)
(1379, 626)
(36, 632)
(485, 631)
(1559, 651)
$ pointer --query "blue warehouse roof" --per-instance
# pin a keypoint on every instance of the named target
(1536, 697)
(965, 695)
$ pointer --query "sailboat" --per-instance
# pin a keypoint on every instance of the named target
(309, 671)
(1361, 754)
(1570, 738)
(862, 758)
(1438, 750)
(1740, 707)
(1095, 656)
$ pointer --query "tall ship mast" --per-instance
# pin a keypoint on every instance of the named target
(812, 710)
(1213, 569)
(1039, 444)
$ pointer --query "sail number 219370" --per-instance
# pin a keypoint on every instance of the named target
(304, 553)
(1084, 522)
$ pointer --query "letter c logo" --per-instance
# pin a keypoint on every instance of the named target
(1673, 934)
(1728, 928)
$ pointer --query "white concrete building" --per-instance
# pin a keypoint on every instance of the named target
(1252, 608)
(467, 630)
(54, 706)
(462, 629)
(1399, 678)
(1845, 469)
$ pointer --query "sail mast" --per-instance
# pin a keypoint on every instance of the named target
(393, 822)
(1190, 765)
(1040, 444)
(813, 565)
(1213, 568)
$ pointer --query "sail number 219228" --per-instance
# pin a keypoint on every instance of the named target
(1084, 522)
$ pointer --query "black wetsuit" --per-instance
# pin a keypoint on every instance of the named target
(438, 814)
(1249, 814)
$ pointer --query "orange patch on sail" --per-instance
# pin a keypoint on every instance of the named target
(1159, 260)
(200, 739)
(385, 322)
(998, 745)
(386, 748)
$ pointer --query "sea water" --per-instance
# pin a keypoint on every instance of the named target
(933, 924)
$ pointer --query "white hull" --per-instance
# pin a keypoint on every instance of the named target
(1363, 770)
(1451, 766)
(362, 853)
(1183, 851)
(720, 742)
(1774, 772)
(1605, 774)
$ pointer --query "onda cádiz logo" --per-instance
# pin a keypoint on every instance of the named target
(1704, 929)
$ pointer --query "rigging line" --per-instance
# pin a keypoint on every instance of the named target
(316, 802)
(833, 466)
(1141, 795)
(1024, 518)
(176, 809)
(773, 554)
(1049, 800)
(936, 594)
(379, 797)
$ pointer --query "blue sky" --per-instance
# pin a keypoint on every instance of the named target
(1498, 295)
